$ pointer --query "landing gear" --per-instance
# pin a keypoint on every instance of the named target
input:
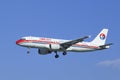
(56, 55)
(64, 53)
(28, 51)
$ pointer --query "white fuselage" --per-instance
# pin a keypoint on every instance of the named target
(49, 45)
(36, 42)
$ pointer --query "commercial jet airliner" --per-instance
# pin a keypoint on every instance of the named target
(49, 45)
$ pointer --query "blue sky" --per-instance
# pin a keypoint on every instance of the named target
(67, 19)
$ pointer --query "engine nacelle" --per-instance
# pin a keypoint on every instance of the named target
(44, 51)
(54, 47)
(49, 48)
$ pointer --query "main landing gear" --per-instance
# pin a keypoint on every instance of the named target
(57, 56)
(64, 53)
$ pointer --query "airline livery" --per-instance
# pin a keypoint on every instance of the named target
(49, 45)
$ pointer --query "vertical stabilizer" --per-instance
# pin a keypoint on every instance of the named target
(101, 38)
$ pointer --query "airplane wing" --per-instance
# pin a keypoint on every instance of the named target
(72, 42)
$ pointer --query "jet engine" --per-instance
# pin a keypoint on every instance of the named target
(44, 51)
(49, 48)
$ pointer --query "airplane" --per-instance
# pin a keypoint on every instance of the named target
(48, 45)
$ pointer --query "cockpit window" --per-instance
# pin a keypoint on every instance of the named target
(23, 39)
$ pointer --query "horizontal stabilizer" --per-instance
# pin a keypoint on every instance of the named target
(106, 46)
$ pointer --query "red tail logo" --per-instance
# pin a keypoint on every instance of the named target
(102, 36)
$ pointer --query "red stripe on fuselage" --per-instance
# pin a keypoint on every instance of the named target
(53, 42)
(22, 41)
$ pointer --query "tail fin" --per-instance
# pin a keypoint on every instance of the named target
(101, 38)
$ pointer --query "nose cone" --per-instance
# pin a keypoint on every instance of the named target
(18, 42)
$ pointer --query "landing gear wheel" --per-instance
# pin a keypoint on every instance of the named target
(56, 56)
(28, 52)
(64, 53)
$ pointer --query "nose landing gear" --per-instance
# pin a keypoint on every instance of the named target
(28, 51)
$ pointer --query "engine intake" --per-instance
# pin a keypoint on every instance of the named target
(44, 51)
